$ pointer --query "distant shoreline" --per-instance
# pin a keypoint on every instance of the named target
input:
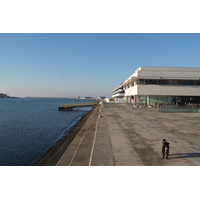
(60, 98)
(10, 97)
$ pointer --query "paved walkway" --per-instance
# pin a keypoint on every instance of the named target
(79, 152)
(128, 136)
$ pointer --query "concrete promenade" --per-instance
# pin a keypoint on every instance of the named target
(128, 136)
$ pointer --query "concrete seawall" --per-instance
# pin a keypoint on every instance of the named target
(52, 156)
(121, 135)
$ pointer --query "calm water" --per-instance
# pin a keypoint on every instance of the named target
(30, 126)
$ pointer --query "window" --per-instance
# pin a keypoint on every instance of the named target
(141, 82)
(164, 82)
(188, 82)
(197, 82)
(173, 82)
(179, 82)
(150, 81)
(176, 82)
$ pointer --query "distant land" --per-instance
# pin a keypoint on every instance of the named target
(2, 95)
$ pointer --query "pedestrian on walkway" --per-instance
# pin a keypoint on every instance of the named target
(165, 148)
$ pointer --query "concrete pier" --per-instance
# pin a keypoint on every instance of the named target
(121, 135)
(69, 107)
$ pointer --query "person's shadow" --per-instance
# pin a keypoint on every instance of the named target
(184, 155)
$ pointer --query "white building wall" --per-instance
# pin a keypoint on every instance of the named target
(168, 90)
(171, 72)
(118, 95)
(131, 91)
(120, 100)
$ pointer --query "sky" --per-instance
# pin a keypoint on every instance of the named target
(86, 64)
(70, 65)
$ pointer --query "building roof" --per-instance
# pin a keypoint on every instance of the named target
(187, 73)
(151, 72)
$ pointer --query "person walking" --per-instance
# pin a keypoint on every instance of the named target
(165, 149)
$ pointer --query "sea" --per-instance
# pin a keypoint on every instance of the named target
(29, 127)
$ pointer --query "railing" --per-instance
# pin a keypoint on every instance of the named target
(178, 109)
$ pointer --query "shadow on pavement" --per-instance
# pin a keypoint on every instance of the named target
(184, 155)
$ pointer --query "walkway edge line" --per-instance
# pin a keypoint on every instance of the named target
(91, 155)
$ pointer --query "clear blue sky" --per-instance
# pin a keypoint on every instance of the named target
(82, 64)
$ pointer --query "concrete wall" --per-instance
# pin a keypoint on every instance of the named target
(118, 95)
(119, 100)
(171, 72)
(131, 91)
(168, 90)
(109, 100)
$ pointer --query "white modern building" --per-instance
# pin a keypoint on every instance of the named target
(161, 85)
(118, 94)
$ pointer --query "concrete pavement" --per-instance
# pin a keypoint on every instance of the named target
(128, 136)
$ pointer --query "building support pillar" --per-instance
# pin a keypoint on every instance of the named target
(134, 103)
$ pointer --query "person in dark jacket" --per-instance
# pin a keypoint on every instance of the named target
(165, 149)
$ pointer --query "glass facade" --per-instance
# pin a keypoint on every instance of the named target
(160, 100)
(167, 82)
(153, 100)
